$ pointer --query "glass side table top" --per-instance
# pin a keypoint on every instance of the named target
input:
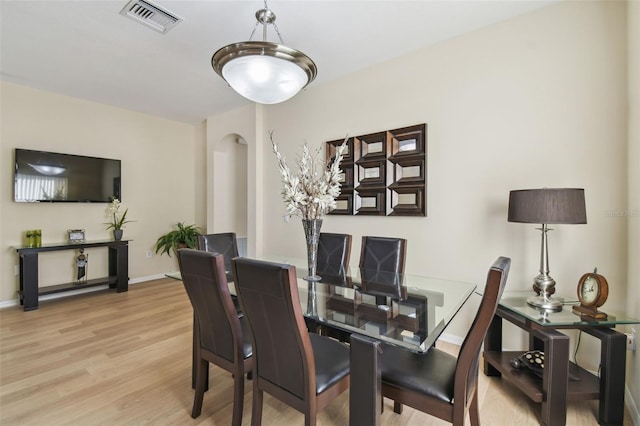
(517, 303)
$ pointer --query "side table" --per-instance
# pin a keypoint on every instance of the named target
(562, 380)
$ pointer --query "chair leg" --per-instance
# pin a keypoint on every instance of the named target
(238, 399)
(474, 413)
(310, 417)
(397, 407)
(459, 411)
(201, 369)
(256, 409)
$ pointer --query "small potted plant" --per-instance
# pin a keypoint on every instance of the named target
(181, 237)
(117, 219)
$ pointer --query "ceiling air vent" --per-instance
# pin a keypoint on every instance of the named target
(151, 15)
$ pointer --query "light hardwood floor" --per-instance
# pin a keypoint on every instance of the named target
(108, 358)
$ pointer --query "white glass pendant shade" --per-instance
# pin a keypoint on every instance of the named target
(264, 72)
(264, 79)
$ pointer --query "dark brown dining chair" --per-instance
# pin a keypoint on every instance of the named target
(304, 370)
(383, 254)
(224, 243)
(222, 337)
(334, 253)
(334, 249)
(436, 382)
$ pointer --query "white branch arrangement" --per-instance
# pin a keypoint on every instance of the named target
(313, 191)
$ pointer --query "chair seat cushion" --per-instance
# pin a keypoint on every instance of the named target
(246, 338)
(332, 361)
(431, 373)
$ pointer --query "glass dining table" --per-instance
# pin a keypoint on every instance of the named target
(374, 308)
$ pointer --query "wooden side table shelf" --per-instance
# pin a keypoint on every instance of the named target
(562, 380)
(118, 270)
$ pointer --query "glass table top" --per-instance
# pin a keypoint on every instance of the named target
(517, 303)
(400, 309)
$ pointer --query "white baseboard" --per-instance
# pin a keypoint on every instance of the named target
(450, 338)
(147, 278)
(15, 302)
(632, 406)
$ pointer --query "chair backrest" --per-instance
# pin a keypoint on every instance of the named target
(204, 279)
(383, 254)
(268, 294)
(467, 367)
(224, 243)
(334, 249)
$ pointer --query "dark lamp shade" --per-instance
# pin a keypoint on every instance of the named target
(547, 205)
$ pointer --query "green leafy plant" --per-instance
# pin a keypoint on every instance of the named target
(181, 237)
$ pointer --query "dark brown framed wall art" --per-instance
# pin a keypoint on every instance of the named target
(385, 173)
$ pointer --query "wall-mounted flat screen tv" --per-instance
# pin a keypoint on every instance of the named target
(42, 176)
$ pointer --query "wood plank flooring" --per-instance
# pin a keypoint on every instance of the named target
(109, 358)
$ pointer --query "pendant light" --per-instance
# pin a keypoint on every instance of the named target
(262, 71)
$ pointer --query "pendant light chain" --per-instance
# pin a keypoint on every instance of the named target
(275, 27)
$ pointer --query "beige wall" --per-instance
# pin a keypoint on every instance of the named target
(160, 178)
(536, 101)
(199, 175)
(227, 169)
(539, 100)
(633, 204)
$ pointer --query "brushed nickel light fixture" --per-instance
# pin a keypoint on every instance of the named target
(262, 71)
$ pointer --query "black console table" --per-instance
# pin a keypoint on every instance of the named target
(562, 380)
(118, 270)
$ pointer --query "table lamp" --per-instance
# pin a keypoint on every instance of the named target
(546, 206)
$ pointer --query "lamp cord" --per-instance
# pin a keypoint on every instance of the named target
(575, 353)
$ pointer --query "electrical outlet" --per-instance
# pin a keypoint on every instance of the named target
(149, 254)
(631, 340)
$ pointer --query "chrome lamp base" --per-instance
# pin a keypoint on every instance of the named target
(545, 302)
(543, 282)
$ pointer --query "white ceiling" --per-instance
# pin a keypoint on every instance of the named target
(86, 49)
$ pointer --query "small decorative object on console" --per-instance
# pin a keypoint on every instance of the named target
(533, 360)
(33, 238)
(76, 236)
(82, 264)
(593, 290)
